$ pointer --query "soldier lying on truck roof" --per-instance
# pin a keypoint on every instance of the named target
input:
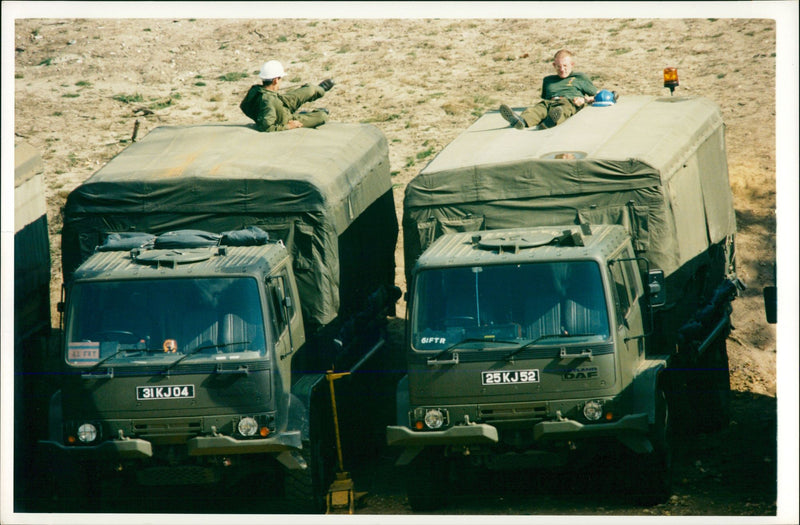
(563, 95)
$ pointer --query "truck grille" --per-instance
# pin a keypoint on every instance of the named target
(512, 411)
(174, 427)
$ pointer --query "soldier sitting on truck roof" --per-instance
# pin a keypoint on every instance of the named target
(563, 94)
(273, 111)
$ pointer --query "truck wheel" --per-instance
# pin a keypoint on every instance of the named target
(425, 478)
(716, 413)
(652, 482)
(55, 488)
(304, 489)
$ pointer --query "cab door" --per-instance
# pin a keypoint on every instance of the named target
(628, 305)
(285, 317)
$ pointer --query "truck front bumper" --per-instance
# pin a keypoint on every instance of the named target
(216, 445)
(117, 448)
(630, 425)
(135, 448)
(475, 434)
(631, 431)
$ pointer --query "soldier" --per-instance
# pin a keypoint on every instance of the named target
(273, 111)
(563, 94)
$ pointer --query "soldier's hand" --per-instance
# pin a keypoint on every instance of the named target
(294, 124)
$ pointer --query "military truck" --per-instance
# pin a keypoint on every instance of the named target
(31, 249)
(214, 274)
(569, 292)
(31, 309)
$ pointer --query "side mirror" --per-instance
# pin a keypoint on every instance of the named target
(657, 292)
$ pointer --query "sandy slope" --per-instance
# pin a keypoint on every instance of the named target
(81, 84)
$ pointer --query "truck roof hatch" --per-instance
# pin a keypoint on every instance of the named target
(173, 257)
(514, 242)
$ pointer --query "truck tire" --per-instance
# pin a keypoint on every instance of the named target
(304, 489)
(701, 391)
(651, 483)
(716, 412)
(56, 487)
(425, 478)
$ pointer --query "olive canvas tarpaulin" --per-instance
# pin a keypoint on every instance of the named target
(656, 165)
(322, 191)
(31, 246)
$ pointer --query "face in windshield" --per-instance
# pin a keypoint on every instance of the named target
(508, 302)
(147, 320)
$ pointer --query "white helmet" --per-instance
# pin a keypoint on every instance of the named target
(270, 70)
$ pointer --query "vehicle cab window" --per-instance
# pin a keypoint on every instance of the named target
(137, 322)
(627, 288)
(284, 310)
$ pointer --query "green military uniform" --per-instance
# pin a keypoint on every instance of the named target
(557, 91)
(271, 110)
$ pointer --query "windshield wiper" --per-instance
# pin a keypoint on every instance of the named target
(201, 348)
(532, 342)
(112, 356)
(468, 340)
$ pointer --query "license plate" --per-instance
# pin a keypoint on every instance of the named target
(149, 393)
(510, 377)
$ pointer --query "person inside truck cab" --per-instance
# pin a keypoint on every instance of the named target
(563, 95)
(274, 111)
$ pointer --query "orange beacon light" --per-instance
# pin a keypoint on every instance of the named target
(671, 78)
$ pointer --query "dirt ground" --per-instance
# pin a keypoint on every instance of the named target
(81, 84)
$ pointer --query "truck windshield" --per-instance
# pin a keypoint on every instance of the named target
(508, 303)
(160, 320)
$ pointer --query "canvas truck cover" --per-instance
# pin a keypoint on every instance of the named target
(656, 165)
(325, 192)
(31, 244)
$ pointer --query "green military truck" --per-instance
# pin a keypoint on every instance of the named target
(31, 311)
(31, 250)
(213, 276)
(569, 291)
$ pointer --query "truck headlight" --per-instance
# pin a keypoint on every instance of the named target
(434, 418)
(247, 426)
(87, 433)
(593, 410)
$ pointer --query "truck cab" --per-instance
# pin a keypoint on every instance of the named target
(526, 344)
(180, 355)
